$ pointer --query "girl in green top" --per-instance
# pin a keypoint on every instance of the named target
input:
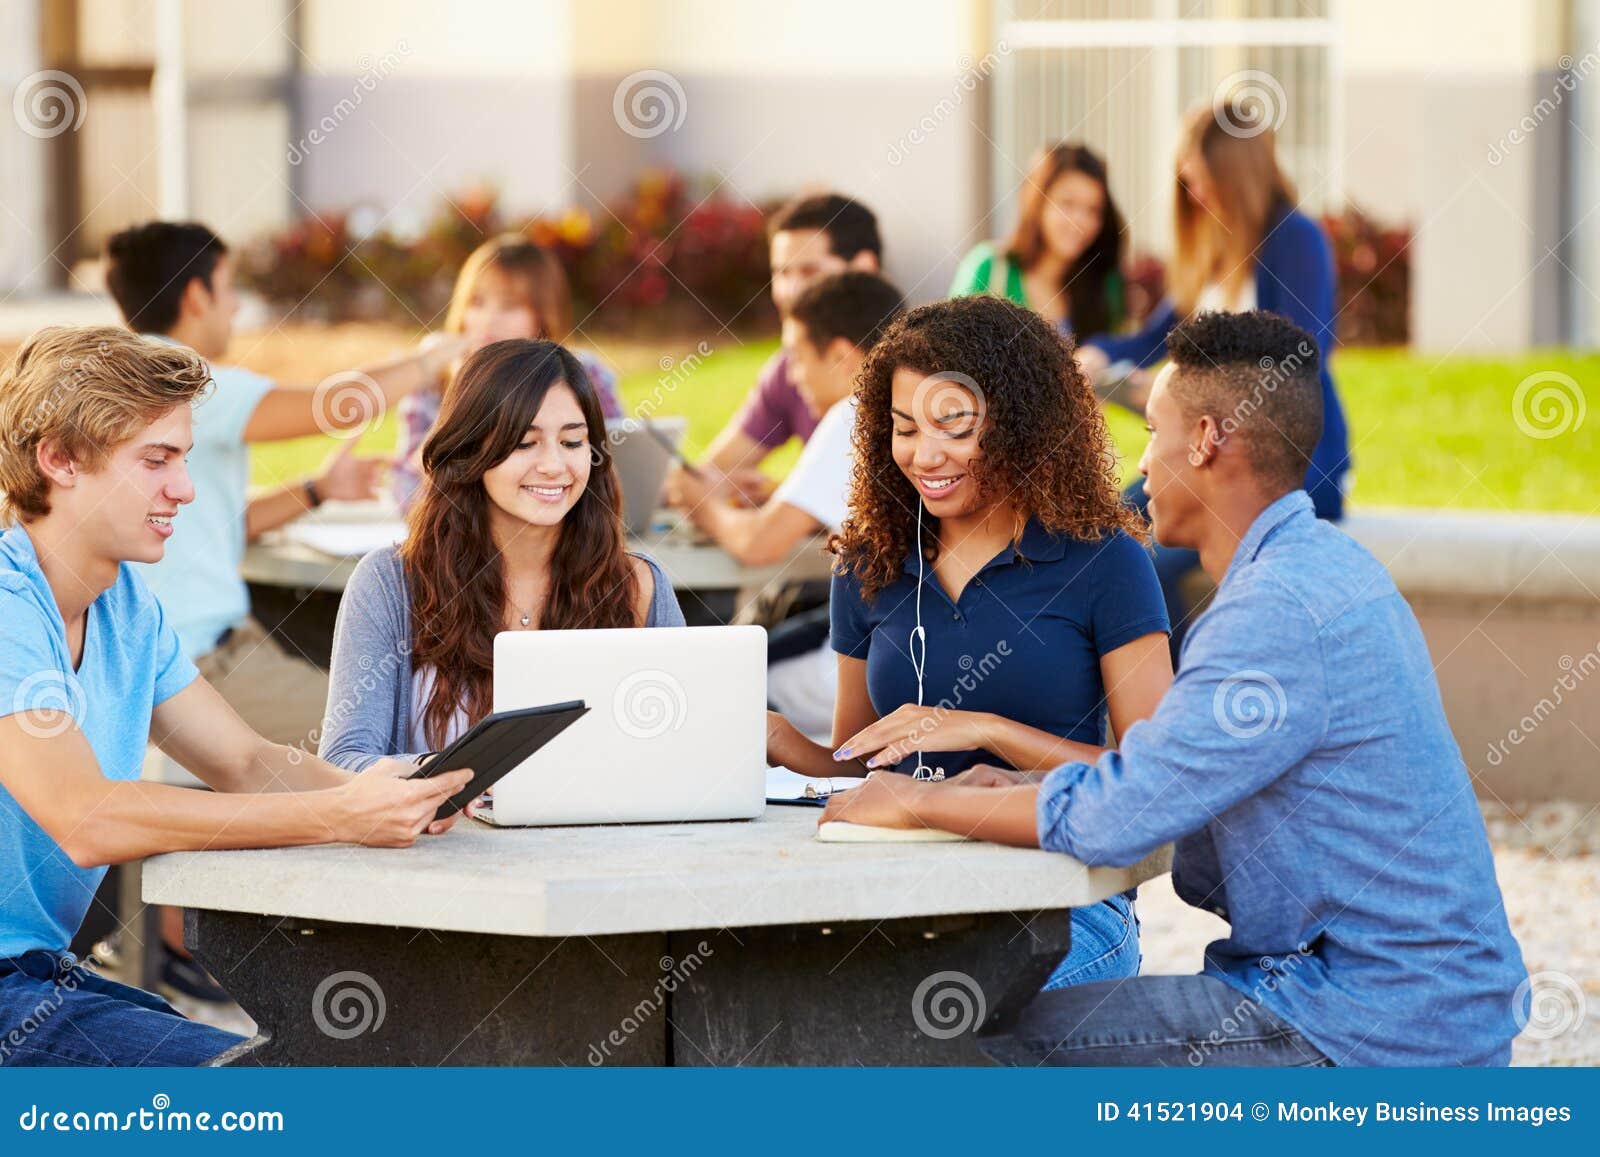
(1064, 259)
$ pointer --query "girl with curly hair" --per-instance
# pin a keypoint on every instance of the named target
(991, 602)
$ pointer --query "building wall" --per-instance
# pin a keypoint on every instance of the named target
(1436, 92)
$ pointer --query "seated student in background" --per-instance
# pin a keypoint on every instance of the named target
(174, 282)
(811, 237)
(1064, 258)
(91, 669)
(1041, 619)
(1240, 244)
(508, 288)
(517, 528)
(1301, 761)
(829, 329)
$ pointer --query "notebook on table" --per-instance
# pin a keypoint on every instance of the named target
(844, 832)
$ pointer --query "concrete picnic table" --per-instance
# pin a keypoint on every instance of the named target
(693, 944)
(295, 585)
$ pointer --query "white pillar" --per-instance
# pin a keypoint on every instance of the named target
(24, 159)
(170, 96)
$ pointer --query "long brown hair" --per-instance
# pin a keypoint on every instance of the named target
(1044, 442)
(536, 273)
(1089, 307)
(1241, 159)
(455, 571)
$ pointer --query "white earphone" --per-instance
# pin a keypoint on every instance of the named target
(919, 659)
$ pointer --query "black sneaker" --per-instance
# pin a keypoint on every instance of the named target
(183, 975)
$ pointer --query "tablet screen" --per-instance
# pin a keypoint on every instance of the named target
(497, 744)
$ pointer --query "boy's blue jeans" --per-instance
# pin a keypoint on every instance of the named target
(1174, 1021)
(55, 1011)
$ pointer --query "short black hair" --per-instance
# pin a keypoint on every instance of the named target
(855, 305)
(149, 266)
(1258, 375)
(850, 226)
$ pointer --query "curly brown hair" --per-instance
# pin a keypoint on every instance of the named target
(1043, 442)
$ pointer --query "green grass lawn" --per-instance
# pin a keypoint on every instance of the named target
(1424, 431)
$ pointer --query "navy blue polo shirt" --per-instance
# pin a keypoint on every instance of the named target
(1024, 640)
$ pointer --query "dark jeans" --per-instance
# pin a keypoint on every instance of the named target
(1174, 563)
(1172, 1021)
(54, 1011)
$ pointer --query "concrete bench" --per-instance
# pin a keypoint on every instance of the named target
(1510, 606)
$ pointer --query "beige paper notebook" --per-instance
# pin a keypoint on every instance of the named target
(843, 832)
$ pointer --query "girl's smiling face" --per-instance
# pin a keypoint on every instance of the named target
(541, 480)
(934, 439)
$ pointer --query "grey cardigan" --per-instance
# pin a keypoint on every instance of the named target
(369, 685)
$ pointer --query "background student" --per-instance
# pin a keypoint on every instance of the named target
(517, 527)
(509, 287)
(1064, 258)
(989, 518)
(829, 329)
(1301, 763)
(809, 238)
(93, 479)
(1240, 243)
(174, 282)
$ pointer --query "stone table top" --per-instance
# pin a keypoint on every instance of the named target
(578, 881)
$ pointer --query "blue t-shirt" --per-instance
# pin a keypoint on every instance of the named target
(197, 579)
(1024, 640)
(132, 661)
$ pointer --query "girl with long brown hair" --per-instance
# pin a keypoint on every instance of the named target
(518, 527)
(1240, 243)
(1064, 258)
(990, 603)
(509, 287)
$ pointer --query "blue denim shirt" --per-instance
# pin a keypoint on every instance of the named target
(1320, 805)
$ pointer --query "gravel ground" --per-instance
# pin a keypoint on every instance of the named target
(1547, 856)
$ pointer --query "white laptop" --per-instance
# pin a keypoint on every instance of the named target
(642, 461)
(676, 729)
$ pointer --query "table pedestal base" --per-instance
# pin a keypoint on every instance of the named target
(894, 992)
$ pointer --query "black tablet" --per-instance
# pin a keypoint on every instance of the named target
(497, 744)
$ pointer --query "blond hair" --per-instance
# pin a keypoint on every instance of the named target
(1248, 187)
(534, 270)
(88, 389)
